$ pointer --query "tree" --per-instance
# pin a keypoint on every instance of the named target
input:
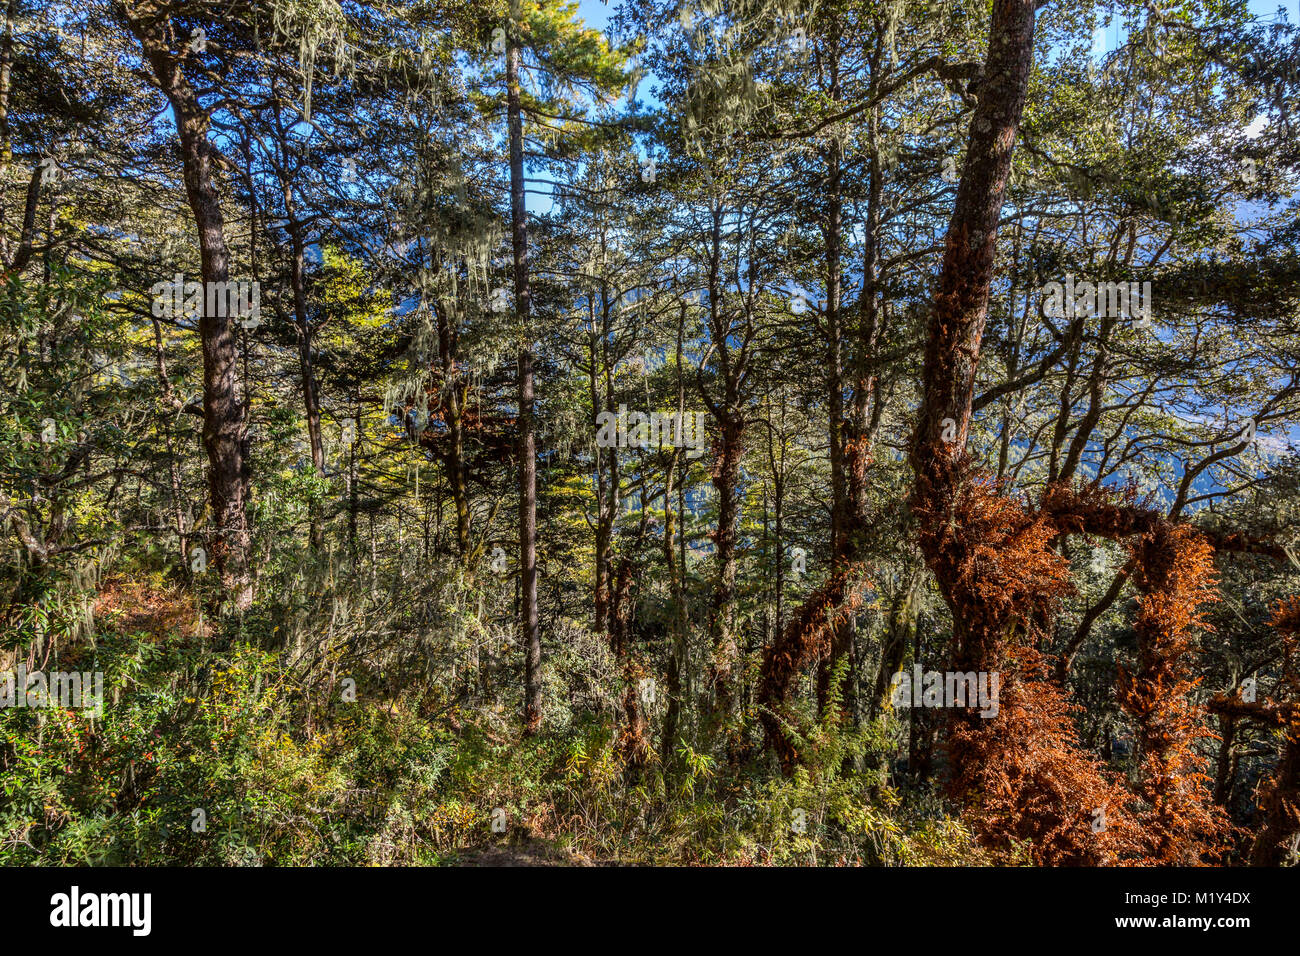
(569, 55)
(224, 435)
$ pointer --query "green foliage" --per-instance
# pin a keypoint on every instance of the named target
(363, 181)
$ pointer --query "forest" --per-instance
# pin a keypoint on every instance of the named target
(662, 432)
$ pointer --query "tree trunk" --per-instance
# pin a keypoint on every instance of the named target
(961, 303)
(1281, 808)
(530, 635)
(726, 474)
(607, 465)
(722, 611)
(224, 433)
(311, 404)
(956, 325)
(453, 393)
(1225, 771)
(170, 405)
(678, 659)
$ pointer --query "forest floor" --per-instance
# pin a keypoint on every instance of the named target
(526, 852)
(140, 606)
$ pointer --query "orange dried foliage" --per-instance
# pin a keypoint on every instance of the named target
(1019, 775)
(1286, 619)
(805, 641)
(1022, 775)
(1181, 824)
(1092, 509)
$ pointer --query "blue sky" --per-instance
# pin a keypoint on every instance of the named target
(596, 14)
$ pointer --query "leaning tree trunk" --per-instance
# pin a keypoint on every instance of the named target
(961, 303)
(820, 632)
(223, 412)
(1021, 774)
(1009, 772)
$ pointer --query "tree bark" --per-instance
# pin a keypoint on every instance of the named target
(224, 433)
(453, 394)
(1281, 808)
(726, 474)
(678, 659)
(170, 406)
(961, 303)
(530, 635)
